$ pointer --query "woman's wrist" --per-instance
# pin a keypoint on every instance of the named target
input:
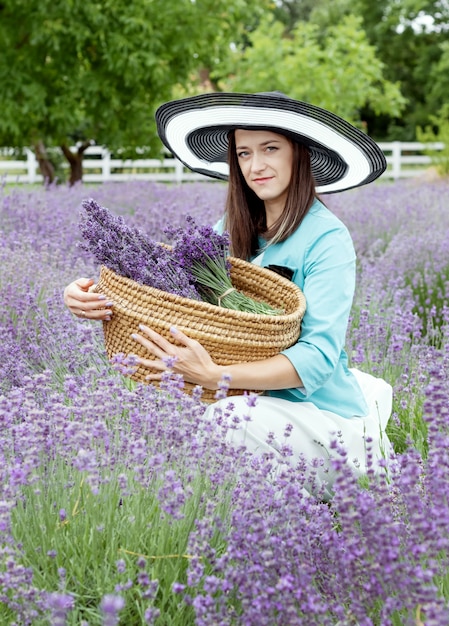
(215, 375)
(273, 373)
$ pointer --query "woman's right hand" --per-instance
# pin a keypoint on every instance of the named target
(84, 303)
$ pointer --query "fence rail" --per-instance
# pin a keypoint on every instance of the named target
(404, 160)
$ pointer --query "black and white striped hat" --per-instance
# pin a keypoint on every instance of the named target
(196, 131)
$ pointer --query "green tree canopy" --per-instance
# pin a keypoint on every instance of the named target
(339, 70)
(410, 38)
(83, 70)
(289, 12)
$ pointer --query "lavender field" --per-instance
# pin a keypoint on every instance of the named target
(120, 504)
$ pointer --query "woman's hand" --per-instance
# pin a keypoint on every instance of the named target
(190, 359)
(85, 304)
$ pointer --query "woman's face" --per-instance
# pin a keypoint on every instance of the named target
(266, 161)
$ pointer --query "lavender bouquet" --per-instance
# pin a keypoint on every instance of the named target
(130, 252)
(196, 267)
(204, 254)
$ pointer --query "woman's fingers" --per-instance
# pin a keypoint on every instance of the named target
(160, 348)
(188, 358)
(186, 341)
(103, 314)
(77, 289)
(97, 309)
(163, 343)
(84, 303)
(154, 343)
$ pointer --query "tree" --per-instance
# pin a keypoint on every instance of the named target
(439, 79)
(290, 12)
(428, 135)
(410, 48)
(338, 70)
(84, 71)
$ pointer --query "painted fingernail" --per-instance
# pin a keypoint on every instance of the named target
(101, 297)
(173, 330)
(134, 336)
(109, 304)
(142, 327)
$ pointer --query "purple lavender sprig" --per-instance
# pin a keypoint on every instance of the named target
(131, 253)
(204, 254)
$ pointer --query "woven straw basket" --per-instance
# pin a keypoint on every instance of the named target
(229, 336)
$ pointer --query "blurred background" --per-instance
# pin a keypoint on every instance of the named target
(78, 74)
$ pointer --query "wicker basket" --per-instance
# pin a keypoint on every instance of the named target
(229, 336)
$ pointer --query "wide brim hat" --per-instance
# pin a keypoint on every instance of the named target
(196, 130)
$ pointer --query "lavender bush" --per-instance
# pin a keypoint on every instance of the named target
(119, 504)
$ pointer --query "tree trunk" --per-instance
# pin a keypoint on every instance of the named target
(45, 165)
(206, 81)
(75, 160)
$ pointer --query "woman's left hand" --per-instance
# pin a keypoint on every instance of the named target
(190, 359)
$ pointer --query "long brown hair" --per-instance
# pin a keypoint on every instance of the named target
(245, 218)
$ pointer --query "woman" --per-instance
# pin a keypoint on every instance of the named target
(278, 153)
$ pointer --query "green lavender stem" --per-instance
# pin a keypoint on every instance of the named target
(213, 281)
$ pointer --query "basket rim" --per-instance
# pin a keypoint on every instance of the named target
(200, 305)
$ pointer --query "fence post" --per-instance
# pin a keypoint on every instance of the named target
(179, 171)
(396, 158)
(31, 166)
(105, 165)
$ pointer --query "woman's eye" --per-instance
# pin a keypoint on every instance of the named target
(242, 154)
(271, 148)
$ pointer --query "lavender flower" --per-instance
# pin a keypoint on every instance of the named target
(126, 364)
(204, 255)
(60, 604)
(197, 267)
(376, 554)
(151, 615)
(129, 252)
(111, 605)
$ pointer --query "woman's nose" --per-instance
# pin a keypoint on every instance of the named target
(257, 162)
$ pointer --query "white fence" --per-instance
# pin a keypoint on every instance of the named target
(404, 160)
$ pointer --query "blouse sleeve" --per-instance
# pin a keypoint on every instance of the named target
(328, 283)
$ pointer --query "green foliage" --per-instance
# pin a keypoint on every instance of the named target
(338, 70)
(409, 37)
(289, 12)
(76, 71)
(410, 51)
(439, 72)
(437, 132)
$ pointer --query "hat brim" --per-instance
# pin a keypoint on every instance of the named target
(196, 131)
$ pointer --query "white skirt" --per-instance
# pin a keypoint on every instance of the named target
(313, 430)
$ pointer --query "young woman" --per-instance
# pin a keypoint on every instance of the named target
(277, 154)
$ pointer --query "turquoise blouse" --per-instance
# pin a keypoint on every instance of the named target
(321, 254)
